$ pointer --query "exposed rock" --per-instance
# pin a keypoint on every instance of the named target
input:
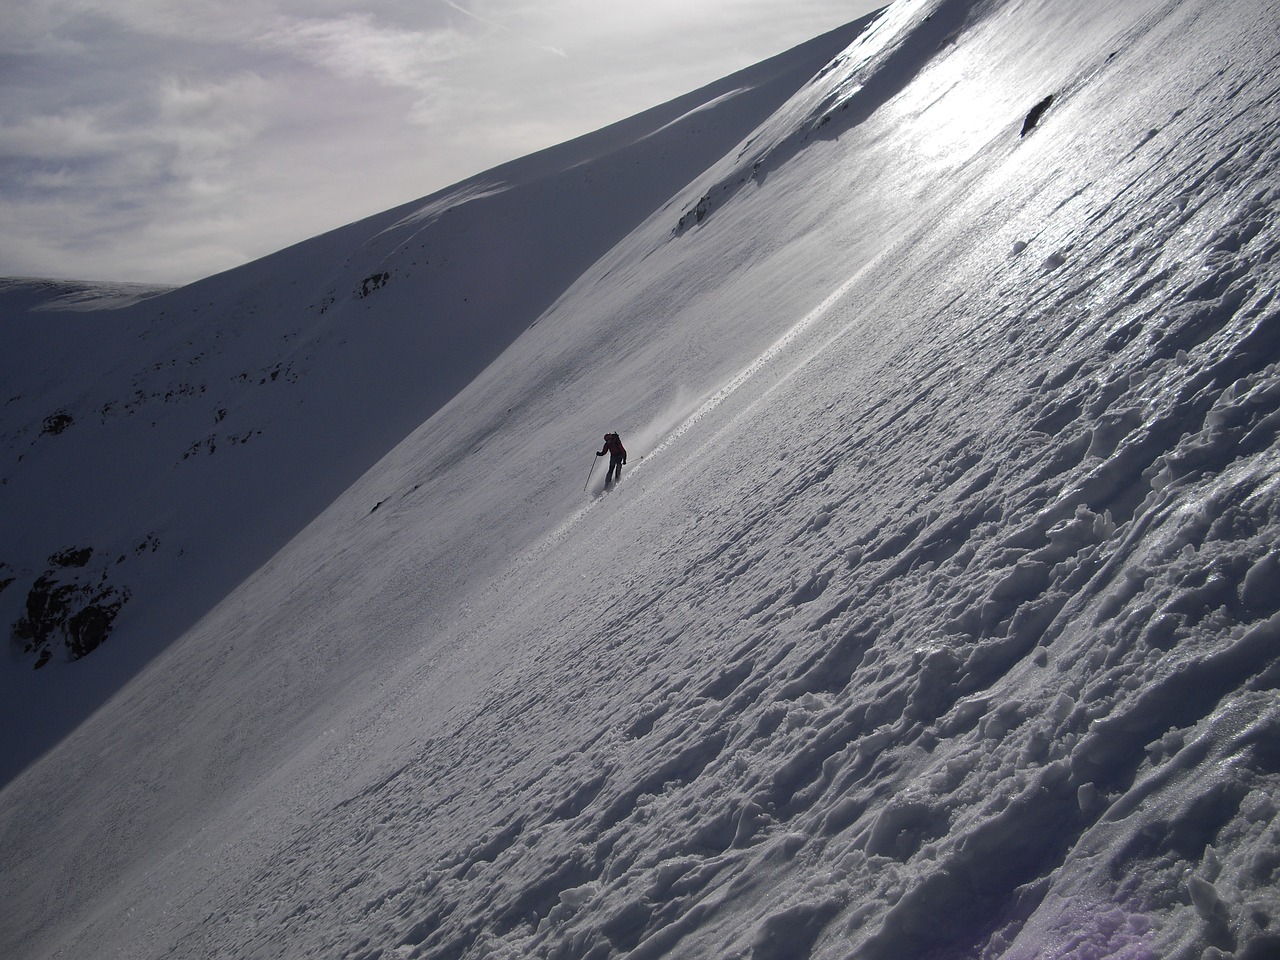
(62, 609)
(1034, 115)
(57, 422)
(72, 557)
(373, 282)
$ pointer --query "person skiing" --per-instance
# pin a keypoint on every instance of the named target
(617, 457)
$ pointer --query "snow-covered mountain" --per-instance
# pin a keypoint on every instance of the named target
(183, 439)
(937, 613)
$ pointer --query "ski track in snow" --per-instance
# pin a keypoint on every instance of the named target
(946, 627)
(703, 409)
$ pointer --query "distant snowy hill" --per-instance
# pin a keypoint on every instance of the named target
(936, 614)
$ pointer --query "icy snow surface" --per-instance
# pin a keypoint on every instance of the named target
(936, 615)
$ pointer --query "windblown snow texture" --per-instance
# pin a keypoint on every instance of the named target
(938, 617)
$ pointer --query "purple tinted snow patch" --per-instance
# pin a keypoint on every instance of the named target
(1087, 931)
(1081, 930)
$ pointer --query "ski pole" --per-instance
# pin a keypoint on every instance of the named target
(589, 473)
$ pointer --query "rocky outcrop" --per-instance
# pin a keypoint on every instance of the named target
(1034, 115)
(69, 610)
(55, 423)
(371, 283)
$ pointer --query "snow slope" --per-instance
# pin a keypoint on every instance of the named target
(937, 614)
(205, 426)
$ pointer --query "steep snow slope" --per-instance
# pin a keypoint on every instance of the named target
(937, 615)
(183, 439)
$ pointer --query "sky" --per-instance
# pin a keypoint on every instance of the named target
(163, 141)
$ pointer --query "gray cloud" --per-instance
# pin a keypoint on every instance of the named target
(356, 46)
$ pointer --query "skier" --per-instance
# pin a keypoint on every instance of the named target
(617, 457)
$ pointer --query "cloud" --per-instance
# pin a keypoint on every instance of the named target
(504, 27)
(357, 47)
(75, 134)
(213, 115)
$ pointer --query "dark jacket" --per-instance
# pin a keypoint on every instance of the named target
(613, 446)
